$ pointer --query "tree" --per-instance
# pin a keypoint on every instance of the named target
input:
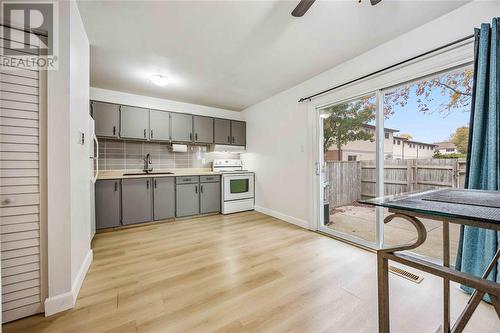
(461, 139)
(456, 85)
(345, 123)
(406, 136)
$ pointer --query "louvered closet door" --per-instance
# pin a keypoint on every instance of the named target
(20, 190)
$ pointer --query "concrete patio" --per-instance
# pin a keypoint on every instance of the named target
(359, 220)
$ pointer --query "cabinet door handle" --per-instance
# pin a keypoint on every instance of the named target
(114, 130)
(196, 189)
(233, 139)
(147, 183)
(116, 186)
(195, 136)
(190, 136)
(145, 133)
(155, 183)
(201, 188)
(151, 134)
(229, 138)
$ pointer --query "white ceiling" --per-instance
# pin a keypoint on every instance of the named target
(232, 54)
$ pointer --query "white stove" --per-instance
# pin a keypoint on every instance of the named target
(237, 186)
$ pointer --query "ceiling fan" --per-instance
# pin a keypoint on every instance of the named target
(304, 5)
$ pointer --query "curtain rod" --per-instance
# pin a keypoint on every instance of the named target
(386, 68)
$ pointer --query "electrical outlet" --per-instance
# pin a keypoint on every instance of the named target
(81, 138)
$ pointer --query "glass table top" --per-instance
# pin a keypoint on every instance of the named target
(475, 205)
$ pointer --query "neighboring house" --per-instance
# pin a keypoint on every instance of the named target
(362, 149)
(405, 149)
(394, 148)
(446, 147)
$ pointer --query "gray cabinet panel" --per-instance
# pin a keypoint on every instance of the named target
(209, 179)
(222, 131)
(159, 125)
(209, 198)
(238, 133)
(134, 123)
(137, 203)
(187, 200)
(187, 180)
(107, 119)
(107, 203)
(164, 198)
(203, 128)
(182, 127)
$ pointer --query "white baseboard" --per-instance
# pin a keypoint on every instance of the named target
(84, 268)
(67, 300)
(287, 218)
(58, 303)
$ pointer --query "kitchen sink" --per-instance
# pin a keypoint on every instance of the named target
(148, 173)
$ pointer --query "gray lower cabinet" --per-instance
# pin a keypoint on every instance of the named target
(107, 119)
(187, 199)
(222, 131)
(134, 123)
(164, 198)
(181, 127)
(238, 133)
(209, 197)
(203, 128)
(159, 125)
(107, 203)
(137, 203)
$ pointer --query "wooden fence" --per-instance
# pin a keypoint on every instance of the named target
(350, 181)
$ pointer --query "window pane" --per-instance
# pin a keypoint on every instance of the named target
(349, 153)
(431, 119)
(238, 185)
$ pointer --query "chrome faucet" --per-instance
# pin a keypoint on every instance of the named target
(147, 163)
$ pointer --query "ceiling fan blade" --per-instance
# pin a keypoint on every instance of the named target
(302, 7)
(374, 2)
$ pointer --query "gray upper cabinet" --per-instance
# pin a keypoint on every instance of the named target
(222, 131)
(203, 128)
(134, 123)
(137, 205)
(210, 198)
(159, 125)
(238, 133)
(181, 127)
(129, 122)
(107, 119)
(107, 203)
(164, 198)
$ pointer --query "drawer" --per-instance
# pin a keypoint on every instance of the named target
(209, 179)
(187, 180)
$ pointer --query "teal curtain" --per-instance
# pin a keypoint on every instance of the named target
(477, 247)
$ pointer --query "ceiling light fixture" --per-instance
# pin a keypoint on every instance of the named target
(159, 80)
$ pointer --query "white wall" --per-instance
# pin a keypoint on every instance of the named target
(68, 171)
(279, 128)
(79, 154)
(58, 172)
(119, 97)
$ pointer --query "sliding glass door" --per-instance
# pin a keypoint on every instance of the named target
(406, 138)
(349, 155)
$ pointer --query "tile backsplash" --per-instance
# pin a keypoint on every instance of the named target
(129, 155)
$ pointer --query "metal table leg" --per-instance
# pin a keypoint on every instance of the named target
(446, 281)
(476, 298)
(383, 268)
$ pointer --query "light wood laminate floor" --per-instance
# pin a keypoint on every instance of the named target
(245, 272)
